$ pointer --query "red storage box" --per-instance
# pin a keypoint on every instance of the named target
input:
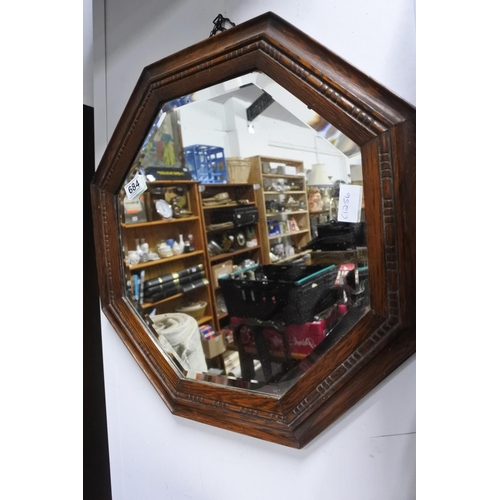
(302, 338)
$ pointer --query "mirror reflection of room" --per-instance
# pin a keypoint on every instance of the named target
(243, 232)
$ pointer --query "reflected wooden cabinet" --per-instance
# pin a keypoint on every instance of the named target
(230, 239)
(282, 203)
(168, 289)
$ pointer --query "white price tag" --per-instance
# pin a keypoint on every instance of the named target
(136, 186)
(350, 199)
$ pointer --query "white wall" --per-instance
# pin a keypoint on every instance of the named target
(369, 453)
(88, 75)
(225, 125)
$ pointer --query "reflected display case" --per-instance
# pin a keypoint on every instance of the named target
(188, 287)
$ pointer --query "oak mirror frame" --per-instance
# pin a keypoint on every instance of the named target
(382, 125)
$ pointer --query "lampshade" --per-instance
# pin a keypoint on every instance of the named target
(319, 175)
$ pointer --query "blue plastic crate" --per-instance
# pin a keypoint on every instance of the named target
(207, 164)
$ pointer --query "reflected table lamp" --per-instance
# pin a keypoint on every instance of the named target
(320, 190)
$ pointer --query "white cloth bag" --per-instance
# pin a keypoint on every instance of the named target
(180, 332)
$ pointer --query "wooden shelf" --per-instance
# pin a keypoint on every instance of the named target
(285, 192)
(275, 176)
(204, 319)
(159, 222)
(150, 263)
(288, 234)
(298, 212)
(228, 205)
(359, 254)
(295, 256)
(228, 184)
(170, 182)
(228, 255)
(146, 305)
(227, 228)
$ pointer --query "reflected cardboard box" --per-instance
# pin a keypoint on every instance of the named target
(213, 347)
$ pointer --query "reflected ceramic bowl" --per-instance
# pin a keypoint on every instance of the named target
(165, 252)
(196, 310)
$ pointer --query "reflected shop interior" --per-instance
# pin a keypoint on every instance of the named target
(243, 235)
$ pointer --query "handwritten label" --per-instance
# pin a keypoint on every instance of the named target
(350, 198)
(136, 186)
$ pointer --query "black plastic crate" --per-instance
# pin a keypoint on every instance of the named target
(292, 294)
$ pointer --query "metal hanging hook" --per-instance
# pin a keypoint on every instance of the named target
(219, 24)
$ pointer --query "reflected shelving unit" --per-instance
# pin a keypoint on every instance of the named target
(155, 231)
(234, 243)
(282, 203)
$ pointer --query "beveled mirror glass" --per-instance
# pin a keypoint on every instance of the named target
(225, 262)
(166, 283)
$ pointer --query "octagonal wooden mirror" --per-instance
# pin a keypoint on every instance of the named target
(231, 163)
